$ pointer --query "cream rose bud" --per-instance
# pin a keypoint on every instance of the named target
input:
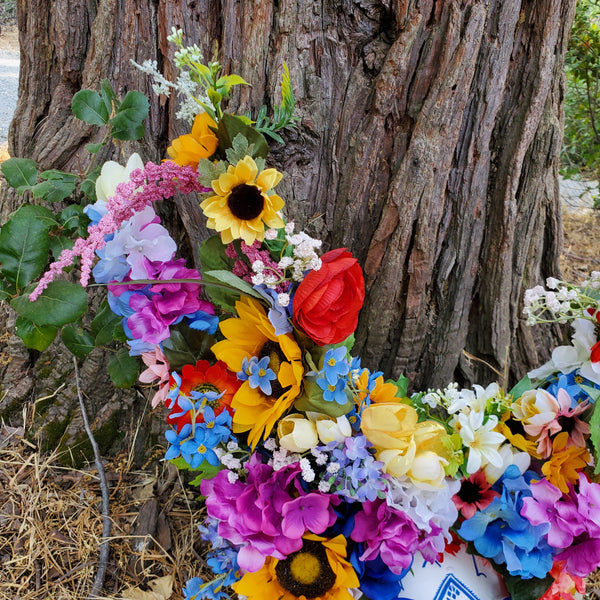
(428, 468)
(296, 433)
(330, 430)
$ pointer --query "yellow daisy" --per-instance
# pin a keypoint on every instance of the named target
(242, 206)
(251, 334)
(189, 149)
(317, 571)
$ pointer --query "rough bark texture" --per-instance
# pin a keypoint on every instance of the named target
(427, 143)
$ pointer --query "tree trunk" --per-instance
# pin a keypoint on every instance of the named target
(427, 143)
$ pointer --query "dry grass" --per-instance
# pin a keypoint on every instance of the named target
(51, 526)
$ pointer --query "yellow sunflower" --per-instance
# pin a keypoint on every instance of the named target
(242, 205)
(565, 463)
(253, 335)
(189, 149)
(317, 571)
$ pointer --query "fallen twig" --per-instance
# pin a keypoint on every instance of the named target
(106, 522)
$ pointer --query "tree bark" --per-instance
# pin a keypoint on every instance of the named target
(427, 143)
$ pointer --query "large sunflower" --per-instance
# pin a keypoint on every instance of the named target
(242, 205)
(317, 571)
(251, 334)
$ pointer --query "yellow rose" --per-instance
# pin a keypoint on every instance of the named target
(330, 429)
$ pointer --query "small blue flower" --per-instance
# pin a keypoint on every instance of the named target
(220, 425)
(333, 393)
(356, 447)
(200, 448)
(176, 439)
(258, 374)
(335, 364)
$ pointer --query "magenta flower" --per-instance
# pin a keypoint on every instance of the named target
(386, 532)
(548, 506)
(311, 512)
(573, 520)
(268, 514)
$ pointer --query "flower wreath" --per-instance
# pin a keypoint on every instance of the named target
(322, 478)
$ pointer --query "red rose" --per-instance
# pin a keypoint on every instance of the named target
(327, 302)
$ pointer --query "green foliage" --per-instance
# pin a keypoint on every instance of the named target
(20, 173)
(595, 434)
(581, 146)
(232, 128)
(283, 116)
(60, 303)
(186, 346)
(24, 244)
(123, 369)
(213, 258)
(34, 235)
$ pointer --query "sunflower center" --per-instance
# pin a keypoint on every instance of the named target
(203, 388)
(276, 357)
(306, 572)
(245, 202)
(469, 492)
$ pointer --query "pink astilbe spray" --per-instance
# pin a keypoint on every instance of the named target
(152, 184)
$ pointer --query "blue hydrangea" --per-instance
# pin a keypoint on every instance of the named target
(500, 533)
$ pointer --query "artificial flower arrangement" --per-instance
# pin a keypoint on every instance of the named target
(322, 479)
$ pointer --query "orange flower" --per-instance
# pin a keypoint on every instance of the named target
(565, 463)
(190, 148)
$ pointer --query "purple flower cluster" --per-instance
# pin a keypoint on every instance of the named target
(573, 520)
(353, 472)
(268, 513)
(386, 533)
(149, 310)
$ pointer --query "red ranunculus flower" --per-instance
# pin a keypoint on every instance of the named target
(327, 301)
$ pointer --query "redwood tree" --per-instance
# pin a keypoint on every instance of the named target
(427, 142)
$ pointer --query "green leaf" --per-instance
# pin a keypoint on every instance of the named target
(94, 148)
(186, 346)
(77, 340)
(88, 186)
(205, 471)
(88, 106)
(230, 126)
(58, 243)
(402, 384)
(73, 218)
(24, 244)
(59, 175)
(61, 302)
(104, 324)
(233, 282)
(53, 190)
(6, 290)
(109, 97)
(520, 388)
(526, 589)
(123, 369)
(595, 434)
(128, 124)
(20, 173)
(213, 257)
(38, 337)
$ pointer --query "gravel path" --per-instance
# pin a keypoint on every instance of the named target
(9, 85)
